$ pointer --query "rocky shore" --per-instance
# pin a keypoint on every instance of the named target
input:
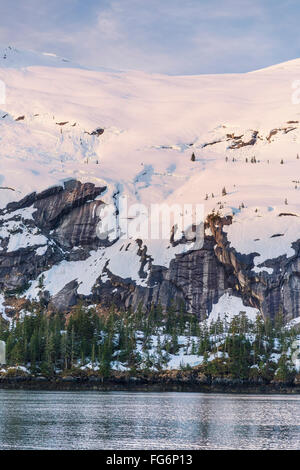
(154, 383)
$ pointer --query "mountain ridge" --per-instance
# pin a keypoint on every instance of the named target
(135, 134)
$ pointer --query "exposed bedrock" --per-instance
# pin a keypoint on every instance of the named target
(197, 279)
(193, 281)
(60, 224)
(65, 217)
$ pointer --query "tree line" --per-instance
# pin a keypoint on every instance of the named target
(142, 341)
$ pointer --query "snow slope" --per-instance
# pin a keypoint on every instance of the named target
(228, 306)
(152, 123)
(11, 57)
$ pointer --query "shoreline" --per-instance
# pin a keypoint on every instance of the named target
(134, 384)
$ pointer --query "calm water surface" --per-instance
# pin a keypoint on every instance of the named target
(133, 420)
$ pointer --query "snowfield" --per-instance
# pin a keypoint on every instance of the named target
(227, 307)
(244, 130)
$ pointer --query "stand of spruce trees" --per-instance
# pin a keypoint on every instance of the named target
(48, 344)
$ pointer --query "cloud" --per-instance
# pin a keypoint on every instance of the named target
(109, 27)
(168, 36)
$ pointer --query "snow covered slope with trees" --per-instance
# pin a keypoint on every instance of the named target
(230, 142)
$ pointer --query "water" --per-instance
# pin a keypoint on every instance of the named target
(136, 420)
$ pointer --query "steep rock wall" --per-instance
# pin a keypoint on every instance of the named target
(66, 219)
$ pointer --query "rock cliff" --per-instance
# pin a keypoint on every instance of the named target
(57, 229)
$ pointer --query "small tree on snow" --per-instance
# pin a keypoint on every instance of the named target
(193, 157)
(224, 191)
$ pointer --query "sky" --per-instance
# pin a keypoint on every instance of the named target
(177, 37)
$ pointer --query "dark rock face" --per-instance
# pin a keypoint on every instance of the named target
(66, 218)
(19, 267)
(53, 208)
(197, 279)
(78, 227)
(194, 281)
(67, 296)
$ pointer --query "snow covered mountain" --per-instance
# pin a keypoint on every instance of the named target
(72, 140)
(10, 57)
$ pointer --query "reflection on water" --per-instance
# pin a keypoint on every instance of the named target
(133, 420)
